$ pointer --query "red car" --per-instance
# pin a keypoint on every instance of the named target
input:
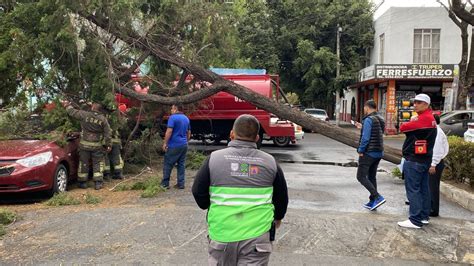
(37, 165)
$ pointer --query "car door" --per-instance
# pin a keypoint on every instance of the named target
(456, 124)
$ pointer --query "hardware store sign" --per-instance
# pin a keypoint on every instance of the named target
(414, 71)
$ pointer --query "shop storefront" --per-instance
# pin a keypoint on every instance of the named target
(392, 86)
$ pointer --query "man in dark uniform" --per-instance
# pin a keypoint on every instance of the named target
(113, 159)
(95, 139)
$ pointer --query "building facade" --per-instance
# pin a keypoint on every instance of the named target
(416, 50)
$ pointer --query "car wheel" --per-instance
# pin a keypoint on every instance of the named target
(281, 141)
(59, 180)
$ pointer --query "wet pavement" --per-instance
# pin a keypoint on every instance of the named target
(325, 223)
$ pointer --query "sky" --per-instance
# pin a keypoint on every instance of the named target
(389, 3)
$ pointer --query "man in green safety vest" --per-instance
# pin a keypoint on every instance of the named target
(245, 193)
(95, 140)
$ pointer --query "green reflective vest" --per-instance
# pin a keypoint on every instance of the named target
(238, 214)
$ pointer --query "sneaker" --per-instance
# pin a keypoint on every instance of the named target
(98, 185)
(368, 205)
(408, 224)
(178, 186)
(164, 187)
(434, 214)
(83, 185)
(425, 222)
(377, 202)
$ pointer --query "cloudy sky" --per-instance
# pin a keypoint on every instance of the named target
(389, 3)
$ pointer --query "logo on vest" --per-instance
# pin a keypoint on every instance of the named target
(243, 169)
(254, 170)
(240, 169)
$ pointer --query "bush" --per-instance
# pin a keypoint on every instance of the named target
(459, 162)
(150, 187)
(396, 172)
(144, 150)
(195, 159)
(3, 231)
(7, 217)
(62, 199)
(91, 199)
(14, 124)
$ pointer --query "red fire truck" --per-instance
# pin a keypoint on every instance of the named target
(213, 118)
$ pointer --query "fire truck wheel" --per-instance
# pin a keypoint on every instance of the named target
(281, 141)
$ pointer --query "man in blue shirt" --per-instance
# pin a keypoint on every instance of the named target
(175, 145)
(370, 152)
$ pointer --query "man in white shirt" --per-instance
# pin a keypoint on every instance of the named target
(440, 150)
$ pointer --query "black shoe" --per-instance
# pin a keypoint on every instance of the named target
(117, 176)
(98, 185)
(107, 177)
(164, 187)
(83, 185)
(178, 186)
(434, 214)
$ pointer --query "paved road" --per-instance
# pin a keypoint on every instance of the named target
(325, 224)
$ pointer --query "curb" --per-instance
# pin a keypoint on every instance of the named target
(452, 193)
(461, 197)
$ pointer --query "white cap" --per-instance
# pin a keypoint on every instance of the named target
(423, 98)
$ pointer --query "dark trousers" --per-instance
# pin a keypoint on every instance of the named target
(366, 174)
(86, 158)
(434, 188)
(418, 190)
(174, 156)
(113, 161)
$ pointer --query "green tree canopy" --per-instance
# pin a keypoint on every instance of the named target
(46, 44)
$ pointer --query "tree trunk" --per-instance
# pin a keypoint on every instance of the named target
(466, 66)
(220, 84)
(468, 74)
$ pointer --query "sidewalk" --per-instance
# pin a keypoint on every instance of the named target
(454, 194)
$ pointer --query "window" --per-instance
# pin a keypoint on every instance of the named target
(426, 46)
(382, 47)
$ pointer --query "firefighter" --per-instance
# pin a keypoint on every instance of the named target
(95, 139)
(113, 159)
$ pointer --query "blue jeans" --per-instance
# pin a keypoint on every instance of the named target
(173, 156)
(418, 190)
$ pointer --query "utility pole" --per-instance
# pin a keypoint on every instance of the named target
(338, 70)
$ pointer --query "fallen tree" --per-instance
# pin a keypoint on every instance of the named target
(153, 48)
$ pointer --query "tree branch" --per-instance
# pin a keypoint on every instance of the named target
(182, 80)
(125, 75)
(461, 12)
(221, 84)
(184, 99)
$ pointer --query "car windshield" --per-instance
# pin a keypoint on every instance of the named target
(315, 112)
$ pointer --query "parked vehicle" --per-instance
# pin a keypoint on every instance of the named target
(299, 133)
(455, 123)
(469, 134)
(37, 165)
(214, 116)
(317, 113)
